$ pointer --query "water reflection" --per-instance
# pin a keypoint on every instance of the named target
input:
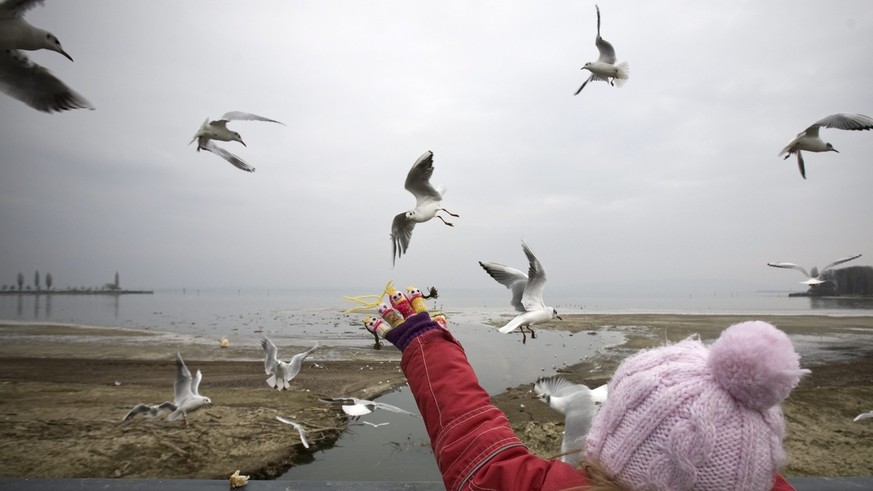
(850, 303)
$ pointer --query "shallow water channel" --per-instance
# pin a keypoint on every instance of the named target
(400, 451)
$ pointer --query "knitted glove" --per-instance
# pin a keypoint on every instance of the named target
(404, 319)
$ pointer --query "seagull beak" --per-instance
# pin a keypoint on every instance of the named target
(835, 150)
(559, 317)
(243, 143)
(61, 51)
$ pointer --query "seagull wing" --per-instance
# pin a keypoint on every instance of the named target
(35, 86)
(790, 266)
(557, 386)
(356, 409)
(607, 52)
(298, 427)
(195, 384)
(241, 116)
(297, 361)
(846, 121)
(271, 356)
(389, 407)
(239, 163)
(577, 421)
(138, 409)
(182, 386)
(16, 8)
(511, 278)
(532, 298)
(868, 414)
(839, 261)
(401, 234)
(418, 179)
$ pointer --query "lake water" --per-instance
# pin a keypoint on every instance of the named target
(398, 451)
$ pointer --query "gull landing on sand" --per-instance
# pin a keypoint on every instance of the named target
(217, 130)
(527, 293)
(186, 392)
(809, 140)
(427, 204)
(281, 372)
(814, 275)
(605, 68)
(23, 79)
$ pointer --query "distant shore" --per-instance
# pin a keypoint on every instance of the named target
(76, 292)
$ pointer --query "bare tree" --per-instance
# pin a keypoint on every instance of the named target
(20, 281)
(48, 281)
(36, 280)
(117, 282)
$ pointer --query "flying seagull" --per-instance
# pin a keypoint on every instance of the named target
(527, 293)
(281, 372)
(23, 79)
(217, 130)
(297, 427)
(150, 411)
(868, 414)
(356, 408)
(814, 275)
(605, 68)
(809, 140)
(427, 204)
(578, 404)
(186, 394)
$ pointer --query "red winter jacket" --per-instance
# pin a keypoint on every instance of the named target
(472, 440)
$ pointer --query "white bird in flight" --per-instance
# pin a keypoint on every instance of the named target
(809, 140)
(217, 130)
(814, 276)
(605, 67)
(281, 372)
(868, 414)
(186, 392)
(23, 79)
(298, 427)
(527, 292)
(578, 404)
(358, 407)
(427, 204)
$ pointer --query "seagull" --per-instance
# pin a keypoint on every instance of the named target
(814, 276)
(578, 404)
(281, 372)
(217, 130)
(299, 429)
(427, 204)
(375, 425)
(186, 396)
(151, 411)
(358, 407)
(868, 414)
(23, 79)
(605, 68)
(809, 140)
(527, 293)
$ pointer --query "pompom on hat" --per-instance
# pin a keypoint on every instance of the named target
(686, 417)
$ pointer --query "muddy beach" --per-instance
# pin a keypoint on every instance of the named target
(64, 390)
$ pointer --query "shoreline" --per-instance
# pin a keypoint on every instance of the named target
(79, 381)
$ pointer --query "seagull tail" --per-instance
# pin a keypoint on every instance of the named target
(622, 73)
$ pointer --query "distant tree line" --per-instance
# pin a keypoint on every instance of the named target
(854, 280)
(49, 284)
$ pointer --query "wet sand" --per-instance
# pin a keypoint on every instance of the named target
(64, 390)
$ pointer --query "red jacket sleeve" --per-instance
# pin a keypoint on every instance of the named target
(472, 440)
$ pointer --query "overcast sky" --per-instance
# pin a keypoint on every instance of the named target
(672, 179)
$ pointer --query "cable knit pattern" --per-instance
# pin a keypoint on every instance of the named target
(675, 419)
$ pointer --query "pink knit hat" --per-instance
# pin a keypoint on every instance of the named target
(687, 417)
